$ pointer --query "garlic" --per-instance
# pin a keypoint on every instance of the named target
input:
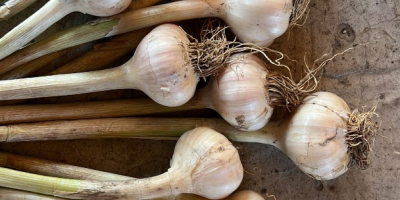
(204, 163)
(245, 93)
(239, 93)
(161, 68)
(62, 170)
(322, 137)
(51, 12)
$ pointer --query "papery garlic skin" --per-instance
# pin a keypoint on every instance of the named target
(212, 163)
(161, 66)
(239, 93)
(255, 21)
(316, 136)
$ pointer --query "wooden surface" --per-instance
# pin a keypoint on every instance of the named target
(368, 75)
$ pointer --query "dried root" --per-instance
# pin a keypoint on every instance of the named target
(212, 53)
(284, 91)
(360, 137)
(300, 7)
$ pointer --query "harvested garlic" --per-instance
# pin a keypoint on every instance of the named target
(161, 68)
(204, 163)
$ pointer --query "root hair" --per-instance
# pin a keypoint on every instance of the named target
(361, 132)
(300, 8)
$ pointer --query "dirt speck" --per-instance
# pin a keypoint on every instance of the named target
(319, 186)
(240, 119)
(346, 32)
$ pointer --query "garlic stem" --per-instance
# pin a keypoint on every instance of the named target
(46, 46)
(248, 20)
(56, 169)
(66, 84)
(30, 182)
(88, 110)
(204, 163)
(12, 7)
(7, 194)
(104, 53)
(138, 4)
(33, 26)
(32, 67)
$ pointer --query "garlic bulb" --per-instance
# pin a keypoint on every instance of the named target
(51, 12)
(324, 136)
(316, 134)
(239, 93)
(256, 21)
(204, 163)
(245, 93)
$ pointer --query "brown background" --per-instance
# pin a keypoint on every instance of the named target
(365, 76)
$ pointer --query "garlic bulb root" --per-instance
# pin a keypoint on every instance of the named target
(283, 90)
(212, 53)
(361, 132)
(300, 7)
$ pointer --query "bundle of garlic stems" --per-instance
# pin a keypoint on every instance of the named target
(322, 136)
(32, 67)
(102, 55)
(50, 13)
(12, 7)
(204, 163)
(99, 58)
(56, 169)
(258, 22)
(244, 93)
